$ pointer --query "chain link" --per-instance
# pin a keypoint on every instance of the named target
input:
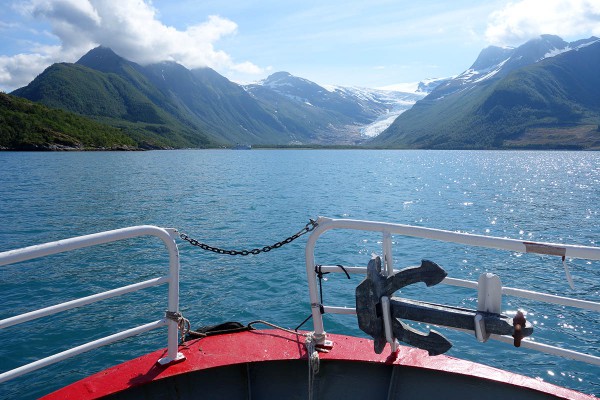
(312, 224)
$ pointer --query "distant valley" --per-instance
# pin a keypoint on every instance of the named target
(541, 95)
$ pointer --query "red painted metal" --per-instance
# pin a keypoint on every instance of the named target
(274, 345)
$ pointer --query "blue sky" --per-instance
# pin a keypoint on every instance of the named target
(377, 43)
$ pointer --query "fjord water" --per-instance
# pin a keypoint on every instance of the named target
(249, 199)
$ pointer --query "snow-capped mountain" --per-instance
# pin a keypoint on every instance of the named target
(496, 62)
(364, 112)
(386, 105)
(542, 95)
(295, 88)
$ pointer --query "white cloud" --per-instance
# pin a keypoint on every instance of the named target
(248, 68)
(8, 25)
(65, 11)
(18, 70)
(526, 19)
(130, 27)
(408, 87)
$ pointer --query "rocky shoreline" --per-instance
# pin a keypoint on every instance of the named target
(60, 147)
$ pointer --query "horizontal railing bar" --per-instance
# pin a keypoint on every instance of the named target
(548, 349)
(541, 347)
(550, 298)
(460, 283)
(350, 270)
(339, 310)
(521, 246)
(526, 294)
(80, 349)
(61, 246)
(43, 312)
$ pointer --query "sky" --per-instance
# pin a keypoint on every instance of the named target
(375, 43)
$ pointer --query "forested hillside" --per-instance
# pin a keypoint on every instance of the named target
(25, 125)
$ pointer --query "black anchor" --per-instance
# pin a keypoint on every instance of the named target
(370, 314)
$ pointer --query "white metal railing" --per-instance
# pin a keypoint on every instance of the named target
(388, 229)
(61, 246)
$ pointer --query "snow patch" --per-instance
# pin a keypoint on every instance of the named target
(475, 76)
(554, 52)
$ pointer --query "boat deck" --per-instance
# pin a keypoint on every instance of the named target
(266, 364)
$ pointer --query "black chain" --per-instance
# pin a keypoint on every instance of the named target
(309, 227)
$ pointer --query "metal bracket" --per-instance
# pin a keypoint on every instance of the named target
(489, 299)
(168, 360)
(325, 347)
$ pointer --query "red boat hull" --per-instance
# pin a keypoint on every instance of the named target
(273, 364)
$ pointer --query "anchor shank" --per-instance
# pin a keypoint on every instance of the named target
(453, 317)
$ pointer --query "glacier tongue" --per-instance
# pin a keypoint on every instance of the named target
(381, 124)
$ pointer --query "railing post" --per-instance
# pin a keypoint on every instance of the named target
(315, 302)
(387, 253)
(173, 303)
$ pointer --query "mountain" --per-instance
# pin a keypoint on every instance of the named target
(217, 105)
(166, 105)
(114, 91)
(312, 94)
(332, 114)
(25, 125)
(494, 62)
(542, 94)
(161, 105)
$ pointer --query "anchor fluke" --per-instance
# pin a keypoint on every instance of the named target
(434, 342)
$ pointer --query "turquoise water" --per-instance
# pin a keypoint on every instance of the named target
(247, 199)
